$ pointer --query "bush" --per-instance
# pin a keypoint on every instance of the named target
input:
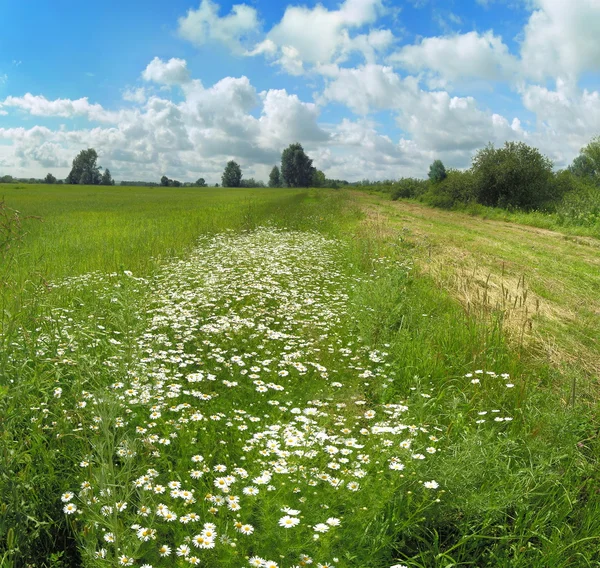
(457, 188)
(516, 175)
(409, 187)
(581, 206)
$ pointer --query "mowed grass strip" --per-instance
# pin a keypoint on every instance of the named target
(544, 283)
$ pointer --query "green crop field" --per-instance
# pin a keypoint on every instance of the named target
(285, 377)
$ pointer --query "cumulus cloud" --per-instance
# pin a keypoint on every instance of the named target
(189, 138)
(204, 24)
(38, 105)
(461, 56)
(172, 72)
(561, 39)
(318, 36)
(135, 95)
(368, 87)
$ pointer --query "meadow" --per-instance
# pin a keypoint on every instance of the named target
(282, 378)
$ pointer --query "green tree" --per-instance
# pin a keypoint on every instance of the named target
(296, 167)
(85, 169)
(200, 182)
(164, 181)
(107, 178)
(275, 177)
(587, 164)
(232, 175)
(49, 179)
(437, 172)
(516, 175)
(318, 178)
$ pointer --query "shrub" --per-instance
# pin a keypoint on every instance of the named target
(409, 187)
(581, 206)
(458, 187)
(516, 175)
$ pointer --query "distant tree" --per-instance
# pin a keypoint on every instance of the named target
(107, 178)
(296, 167)
(587, 164)
(251, 182)
(582, 167)
(200, 182)
(85, 170)
(437, 172)
(175, 183)
(164, 181)
(275, 177)
(516, 175)
(216, 185)
(232, 175)
(7, 179)
(318, 178)
(49, 179)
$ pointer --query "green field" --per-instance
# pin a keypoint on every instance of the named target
(286, 378)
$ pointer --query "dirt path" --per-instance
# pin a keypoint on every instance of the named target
(546, 284)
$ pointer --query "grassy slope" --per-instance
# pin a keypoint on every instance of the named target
(516, 494)
(485, 263)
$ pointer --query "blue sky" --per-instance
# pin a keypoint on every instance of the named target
(371, 88)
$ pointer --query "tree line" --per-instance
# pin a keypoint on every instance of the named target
(513, 177)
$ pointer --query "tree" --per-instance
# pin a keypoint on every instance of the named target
(514, 176)
(232, 175)
(582, 167)
(49, 179)
(437, 172)
(296, 166)
(587, 164)
(107, 178)
(275, 177)
(318, 178)
(164, 181)
(200, 182)
(85, 170)
(175, 183)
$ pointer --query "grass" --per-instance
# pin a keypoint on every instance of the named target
(376, 300)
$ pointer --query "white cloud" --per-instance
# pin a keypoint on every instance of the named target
(461, 56)
(135, 95)
(567, 118)
(318, 36)
(172, 72)
(187, 139)
(285, 119)
(561, 39)
(38, 105)
(435, 120)
(204, 24)
(368, 87)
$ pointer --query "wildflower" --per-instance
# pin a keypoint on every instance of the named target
(70, 508)
(288, 522)
(431, 484)
(164, 550)
(66, 497)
